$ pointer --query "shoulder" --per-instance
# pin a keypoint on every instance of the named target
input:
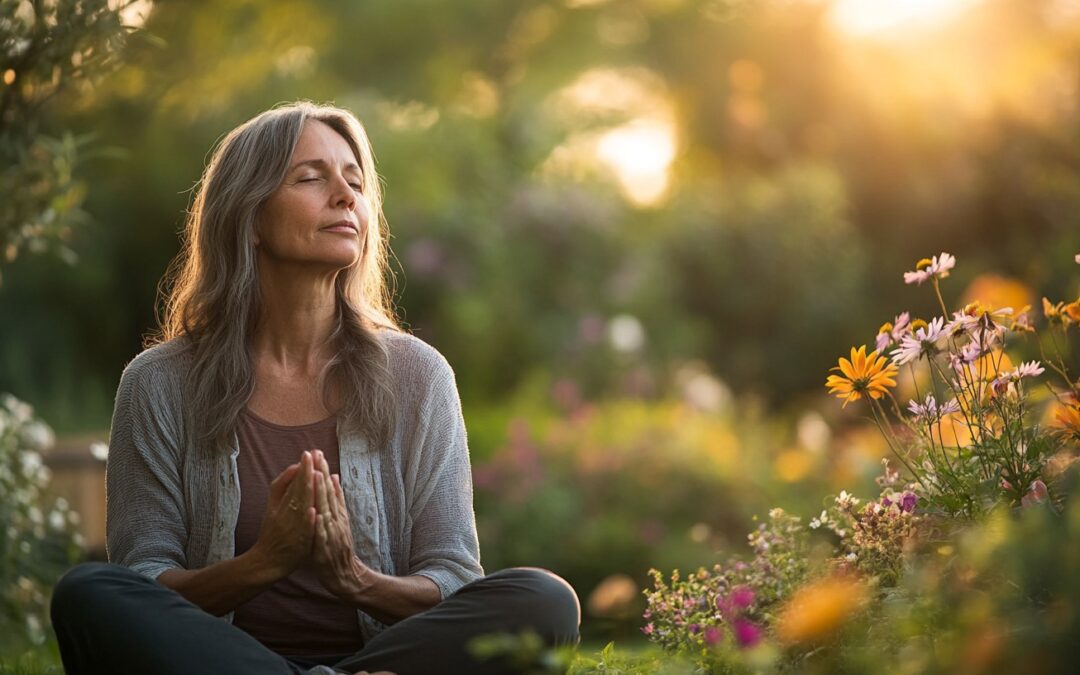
(413, 360)
(159, 368)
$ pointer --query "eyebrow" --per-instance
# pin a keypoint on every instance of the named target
(321, 164)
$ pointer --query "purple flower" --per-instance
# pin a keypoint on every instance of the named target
(694, 629)
(712, 635)
(923, 341)
(742, 597)
(747, 633)
(908, 501)
(1028, 369)
(938, 266)
(930, 410)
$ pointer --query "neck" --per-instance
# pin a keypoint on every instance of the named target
(297, 316)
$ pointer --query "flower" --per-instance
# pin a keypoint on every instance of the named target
(890, 333)
(1054, 312)
(923, 341)
(1028, 369)
(712, 635)
(930, 410)
(747, 633)
(1078, 258)
(1072, 310)
(1037, 493)
(908, 501)
(929, 268)
(819, 609)
(862, 376)
(742, 597)
(1067, 419)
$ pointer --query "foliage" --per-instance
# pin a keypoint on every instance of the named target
(39, 541)
(47, 49)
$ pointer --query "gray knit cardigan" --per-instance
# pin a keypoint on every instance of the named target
(173, 504)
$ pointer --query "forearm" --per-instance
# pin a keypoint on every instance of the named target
(391, 599)
(224, 586)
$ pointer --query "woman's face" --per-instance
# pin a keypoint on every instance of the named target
(318, 214)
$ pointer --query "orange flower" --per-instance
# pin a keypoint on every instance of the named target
(862, 376)
(820, 609)
(1054, 312)
(1067, 419)
(1072, 310)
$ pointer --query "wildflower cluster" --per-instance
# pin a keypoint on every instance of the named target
(38, 539)
(728, 606)
(969, 438)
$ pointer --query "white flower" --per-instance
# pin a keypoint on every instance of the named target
(923, 341)
(100, 451)
(851, 557)
(38, 436)
(926, 269)
(930, 410)
(1028, 369)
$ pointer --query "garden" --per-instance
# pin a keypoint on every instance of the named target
(765, 316)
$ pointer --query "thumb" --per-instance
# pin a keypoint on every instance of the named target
(281, 483)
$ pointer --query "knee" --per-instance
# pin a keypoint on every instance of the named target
(553, 601)
(83, 589)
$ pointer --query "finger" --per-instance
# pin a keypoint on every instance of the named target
(306, 487)
(339, 494)
(282, 482)
(322, 502)
(324, 467)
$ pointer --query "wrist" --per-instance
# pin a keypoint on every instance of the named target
(364, 584)
(261, 567)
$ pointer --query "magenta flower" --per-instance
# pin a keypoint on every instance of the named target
(908, 501)
(742, 597)
(747, 633)
(712, 635)
(648, 629)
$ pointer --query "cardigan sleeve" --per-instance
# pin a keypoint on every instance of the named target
(146, 524)
(444, 546)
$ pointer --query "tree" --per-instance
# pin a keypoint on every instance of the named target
(47, 49)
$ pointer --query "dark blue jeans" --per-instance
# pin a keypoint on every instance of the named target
(111, 620)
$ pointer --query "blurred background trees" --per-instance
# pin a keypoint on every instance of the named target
(587, 188)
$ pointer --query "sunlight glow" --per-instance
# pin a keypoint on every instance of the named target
(640, 153)
(866, 17)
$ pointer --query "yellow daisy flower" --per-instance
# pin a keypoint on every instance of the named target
(863, 375)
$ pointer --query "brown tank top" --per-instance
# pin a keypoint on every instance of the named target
(296, 616)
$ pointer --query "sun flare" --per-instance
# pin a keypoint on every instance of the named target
(867, 17)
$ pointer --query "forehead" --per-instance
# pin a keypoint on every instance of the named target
(320, 141)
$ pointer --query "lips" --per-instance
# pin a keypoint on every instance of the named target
(343, 226)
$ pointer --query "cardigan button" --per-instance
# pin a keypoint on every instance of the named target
(370, 520)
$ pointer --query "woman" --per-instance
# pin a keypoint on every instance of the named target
(286, 458)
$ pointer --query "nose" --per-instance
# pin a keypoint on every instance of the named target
(344, 195)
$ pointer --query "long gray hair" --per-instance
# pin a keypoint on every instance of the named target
(211, 292)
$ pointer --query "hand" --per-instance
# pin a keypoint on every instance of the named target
(336, 565)
(288, 528)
